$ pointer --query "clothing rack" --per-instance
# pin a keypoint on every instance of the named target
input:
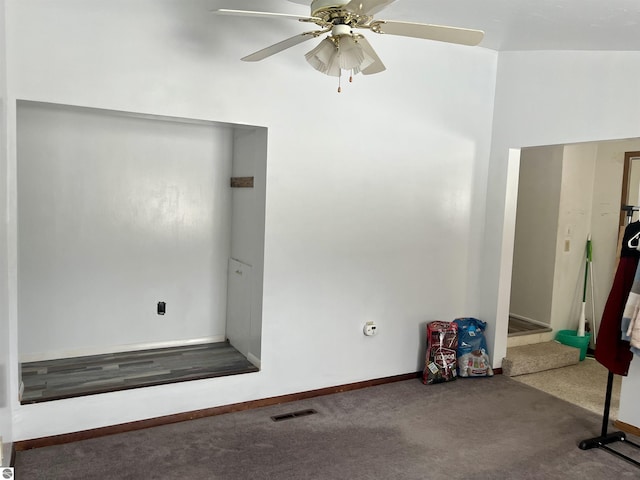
(605, 439)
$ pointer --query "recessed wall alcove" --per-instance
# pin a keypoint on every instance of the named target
(118, 212)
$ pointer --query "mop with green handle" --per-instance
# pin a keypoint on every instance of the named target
(594, 325)
(584, 290)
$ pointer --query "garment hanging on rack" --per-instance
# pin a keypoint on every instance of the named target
(611, 350)
(630, 318)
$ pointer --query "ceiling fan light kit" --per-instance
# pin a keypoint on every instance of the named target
(344, 49)
(339, 52)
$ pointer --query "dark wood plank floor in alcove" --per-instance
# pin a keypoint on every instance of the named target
(75, 377)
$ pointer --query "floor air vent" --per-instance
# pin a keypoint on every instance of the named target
(288, 416)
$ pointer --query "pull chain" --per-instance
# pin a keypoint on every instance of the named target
(340, 82)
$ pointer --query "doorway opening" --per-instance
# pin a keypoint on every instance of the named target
(567, 194)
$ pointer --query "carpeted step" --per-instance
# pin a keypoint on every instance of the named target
(538, 357)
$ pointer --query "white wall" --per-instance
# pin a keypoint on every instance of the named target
(117, 213)
(628, 412)
(574, 227)
(534, 253)
(5, 344)
(248, 221)
(375, 197)
(546, 98)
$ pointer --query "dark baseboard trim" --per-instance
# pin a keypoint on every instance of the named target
(627, 428)
(207, 412)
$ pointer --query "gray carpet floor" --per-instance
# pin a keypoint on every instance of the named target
(489, 428)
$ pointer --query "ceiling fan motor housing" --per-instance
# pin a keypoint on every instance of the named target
(318, 6)
(340, 30)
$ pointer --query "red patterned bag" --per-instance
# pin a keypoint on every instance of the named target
(442, 343)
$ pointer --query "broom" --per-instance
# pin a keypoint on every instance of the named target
(582, 320)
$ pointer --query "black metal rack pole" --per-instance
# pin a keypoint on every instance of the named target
(607, 438)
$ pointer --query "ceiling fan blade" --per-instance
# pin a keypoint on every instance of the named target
(377, 66)
(280, 46)
(441, 33)
(249, 13)
(367, 7)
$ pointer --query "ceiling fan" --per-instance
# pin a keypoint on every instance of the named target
(344, 48)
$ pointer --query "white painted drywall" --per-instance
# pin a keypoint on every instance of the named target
(248, 222)
(547, 98)
(534, 254)
(375, 197)
(115, 214)
(239, 305)
(574, 226)
(628, 411)
(5, 344)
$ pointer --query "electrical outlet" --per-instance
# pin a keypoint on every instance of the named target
(370, 329)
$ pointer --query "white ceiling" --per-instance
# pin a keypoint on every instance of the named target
(524, 24)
